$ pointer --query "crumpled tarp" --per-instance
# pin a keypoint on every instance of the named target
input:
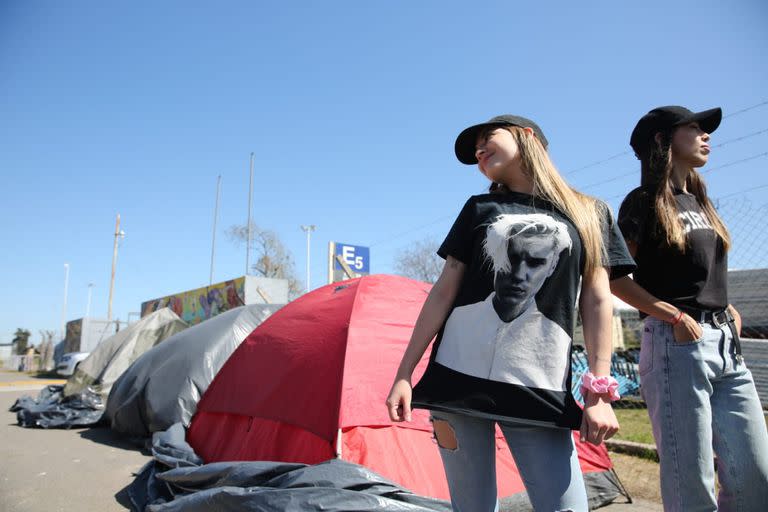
(114, 355)
(176, 481)
(163, 386)
(51, 409)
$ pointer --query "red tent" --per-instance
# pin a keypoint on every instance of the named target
(309, 384)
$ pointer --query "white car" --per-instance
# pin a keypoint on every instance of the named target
(69, 363)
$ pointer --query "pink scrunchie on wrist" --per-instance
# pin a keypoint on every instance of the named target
(600, 385)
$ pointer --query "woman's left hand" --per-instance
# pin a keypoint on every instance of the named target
(599, 421)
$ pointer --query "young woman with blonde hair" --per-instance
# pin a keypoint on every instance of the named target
(502, 310)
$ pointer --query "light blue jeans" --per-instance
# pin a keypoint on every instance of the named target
(702, 402)
(545, 457)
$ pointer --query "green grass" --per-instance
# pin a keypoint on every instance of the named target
(634, 425)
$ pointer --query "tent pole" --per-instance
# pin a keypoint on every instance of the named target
(338, 444)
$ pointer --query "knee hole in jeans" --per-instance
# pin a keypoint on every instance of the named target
(444, 435)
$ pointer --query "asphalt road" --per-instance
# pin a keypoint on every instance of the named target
(84, 469)
(60, 470)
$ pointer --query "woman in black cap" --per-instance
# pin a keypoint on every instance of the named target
(700, 394)
(503, 311)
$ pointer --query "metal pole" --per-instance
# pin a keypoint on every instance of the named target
(88, 307)
(308, 230)
(64, 307)
(248, 227)
(118, 234)
(215, 217)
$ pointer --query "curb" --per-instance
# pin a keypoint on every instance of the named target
(647, 451)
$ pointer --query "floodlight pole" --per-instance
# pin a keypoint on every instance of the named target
(308, 230)
(118, 234)
(248, 226)
(215, 218)
(88, 307)
(64, 307)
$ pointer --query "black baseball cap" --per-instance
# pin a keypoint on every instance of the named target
(465, 142)
(662, 119)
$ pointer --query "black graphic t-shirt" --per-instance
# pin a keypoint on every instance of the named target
(694, 279)
(504, 350)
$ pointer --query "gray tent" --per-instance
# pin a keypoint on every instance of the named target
(164, 385)
(115, 354)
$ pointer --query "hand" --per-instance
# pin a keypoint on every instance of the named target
(399, 400)
(736, 318)
(687, 329)
(599, 421)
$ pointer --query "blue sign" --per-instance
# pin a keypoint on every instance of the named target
(357, 258)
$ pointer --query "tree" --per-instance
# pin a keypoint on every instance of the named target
(46, 350)
(272, 257)
(420, 261)
(21, 340)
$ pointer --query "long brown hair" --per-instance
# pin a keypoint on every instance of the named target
(656, 171)
(548, 184)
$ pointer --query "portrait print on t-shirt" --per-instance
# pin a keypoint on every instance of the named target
(505, 337)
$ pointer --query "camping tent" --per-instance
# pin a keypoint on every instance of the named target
(309, 385)
(115, 354)
(163, 386)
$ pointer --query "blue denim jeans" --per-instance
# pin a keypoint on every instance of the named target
(545, 457)
(702, 402)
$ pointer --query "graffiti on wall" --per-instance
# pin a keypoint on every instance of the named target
(201, 304)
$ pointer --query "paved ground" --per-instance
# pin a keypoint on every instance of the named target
(59, 470)
(88, 469)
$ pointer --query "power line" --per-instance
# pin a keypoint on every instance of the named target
(743, 137)
(418, 228)
(617, 155)
(739, 192)
(402, 234)
(758, 105)
(615, 178)
(739, 138)
(593, 164)
(753, 157)
(728, 164)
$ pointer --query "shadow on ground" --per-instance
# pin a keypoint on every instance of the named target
(105, 435)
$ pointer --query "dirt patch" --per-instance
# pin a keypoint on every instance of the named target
(639, 476)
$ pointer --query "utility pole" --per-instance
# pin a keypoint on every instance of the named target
(248, 226)
(215, 218)
(118, 234)
(64, 307)
(88, 307)
(308, 230)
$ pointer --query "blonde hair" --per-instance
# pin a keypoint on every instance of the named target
(656, 169)
(584, 211)
(508, 226)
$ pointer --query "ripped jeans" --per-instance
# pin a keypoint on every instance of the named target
(702, 401)
(545, 457)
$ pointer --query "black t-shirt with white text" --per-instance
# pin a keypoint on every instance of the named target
(503, 352)
(695, 279)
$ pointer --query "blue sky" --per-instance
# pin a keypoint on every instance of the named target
(351, 109)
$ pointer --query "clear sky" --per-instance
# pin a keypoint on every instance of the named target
(351, 109)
